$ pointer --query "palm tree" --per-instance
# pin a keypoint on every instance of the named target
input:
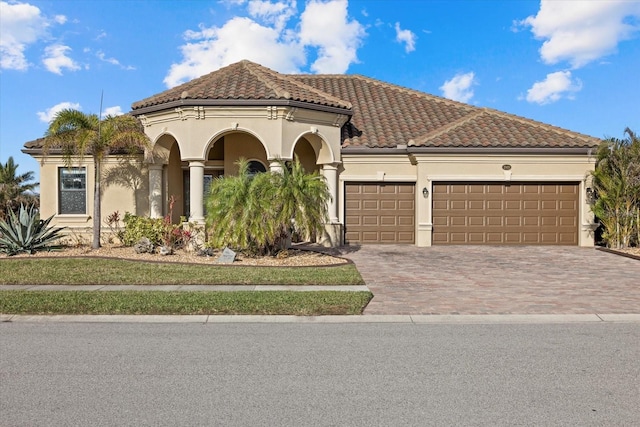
(259, 212)
(77, 134)
(616, 181)
(15, 189)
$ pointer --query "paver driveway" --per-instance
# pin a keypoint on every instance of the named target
(495, 280)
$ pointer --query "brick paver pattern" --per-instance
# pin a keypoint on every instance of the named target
(497, 280)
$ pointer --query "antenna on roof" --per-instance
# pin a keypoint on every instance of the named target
(100, 112)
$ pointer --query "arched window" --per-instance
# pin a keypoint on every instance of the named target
(256, 167)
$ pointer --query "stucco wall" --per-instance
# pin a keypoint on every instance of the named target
(124, 189)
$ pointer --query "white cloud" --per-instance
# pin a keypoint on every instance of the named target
(101, 56)
(239, 38)
(112, 111)
(582, 31)
(266, 38)
(556, 86)
(459, 88)
(56, 59)
(325, 25)
(48, 115)
(60, 19)
(277, 13)
(407, 37)
(21, 24)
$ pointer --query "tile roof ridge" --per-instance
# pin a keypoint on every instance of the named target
(447, 128)
(261, 71)
(541, 125)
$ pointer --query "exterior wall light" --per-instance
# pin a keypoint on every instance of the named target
(425, 192)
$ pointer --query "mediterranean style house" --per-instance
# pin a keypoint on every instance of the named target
(402, 166)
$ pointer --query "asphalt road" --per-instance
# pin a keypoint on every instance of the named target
(75, 374)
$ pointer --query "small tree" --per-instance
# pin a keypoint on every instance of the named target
(616, 183)
(78, 134)
(15, 189)
(258, 213)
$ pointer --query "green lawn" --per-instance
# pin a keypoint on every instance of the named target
(158, 302)
(99, 271)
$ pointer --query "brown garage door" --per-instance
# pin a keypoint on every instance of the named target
(505, 213)
(379, 213)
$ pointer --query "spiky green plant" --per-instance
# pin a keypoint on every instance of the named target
(258, 213)
(25, 232)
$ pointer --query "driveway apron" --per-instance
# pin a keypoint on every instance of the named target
(497, 280)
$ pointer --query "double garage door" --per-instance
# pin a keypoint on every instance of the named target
(465, 213)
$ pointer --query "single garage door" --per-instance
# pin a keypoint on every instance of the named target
(379, 213)
(515, 213)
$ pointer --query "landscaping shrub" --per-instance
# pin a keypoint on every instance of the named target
(26, 232)
(159, 231)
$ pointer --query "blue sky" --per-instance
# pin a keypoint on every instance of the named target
(573, 64)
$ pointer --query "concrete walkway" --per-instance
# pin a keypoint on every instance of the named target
(482, 280)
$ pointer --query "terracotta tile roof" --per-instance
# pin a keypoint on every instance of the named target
(386, 115)
(243, 80)
(382, 115)
(491, 128)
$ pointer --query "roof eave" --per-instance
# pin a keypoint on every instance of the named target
(472, 150)
(240, 103)
(502, 150)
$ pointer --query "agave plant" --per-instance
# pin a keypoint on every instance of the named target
(26, 232)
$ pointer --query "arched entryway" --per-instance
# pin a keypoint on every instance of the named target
(166, 179)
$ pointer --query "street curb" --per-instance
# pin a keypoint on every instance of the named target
(406, 319)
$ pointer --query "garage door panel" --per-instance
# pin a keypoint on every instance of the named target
(476, 204)
(531, 238)
(370, 220)
(494, 221)
(494, 204)
(475, 221)
(388, 220)
(569, 205)
(385, 212)
(407, 220)
(513, 204)
(406, 205)
(457, 204)
(513, 213)
(512, 221)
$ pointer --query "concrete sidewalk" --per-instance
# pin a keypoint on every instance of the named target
(400, 319)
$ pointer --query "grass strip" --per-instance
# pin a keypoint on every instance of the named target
(98, 271)
(158, 302)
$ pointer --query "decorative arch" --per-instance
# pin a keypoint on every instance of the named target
(162, 147)
(229, 131)
(323, 152)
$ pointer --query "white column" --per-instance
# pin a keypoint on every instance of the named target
(330, 173)
(275, 166)
(196, 189)
(155, 190)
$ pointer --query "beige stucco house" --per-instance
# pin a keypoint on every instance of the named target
(402, 166)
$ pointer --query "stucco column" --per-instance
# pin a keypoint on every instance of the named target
(330, 173)
(275, 166)
(196, 189)
(155, 190)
